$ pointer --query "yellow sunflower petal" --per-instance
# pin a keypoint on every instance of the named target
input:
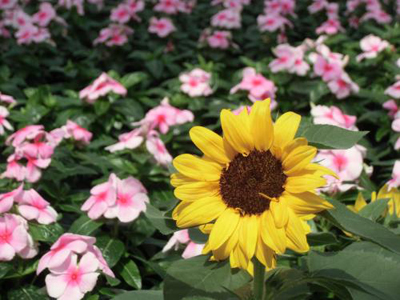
(300, 184)
(224, 227)
(178, 179)
(226, 248)
(261, 126)
(298, 159)
(248, 235)
(236, 131)
(197, 168)
(206, 228)
(240, 257)
(265, 255)
(206, 248)
(296, 234)
(279, 211)
(273, 237)
(178, 209)
(196, 190)
(306, 203)
(200, 212)
(297, 142)
(285, 128)
(210, 143)
(323, 170)
(360, 202)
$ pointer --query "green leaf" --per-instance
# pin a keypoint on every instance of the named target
(197, 236)
(101, 107)
(321, 238)
(4, 269)
(345, 219)
(84, 226)
(374, 209)
(112, 249)
(130, 273)
(26, 293)
(163, 223)
(371, 272)
(198, 278)
(132, 79)
(45, 233)
(331, 137)
(140, 295)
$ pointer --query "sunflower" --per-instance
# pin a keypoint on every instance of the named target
(253, 189)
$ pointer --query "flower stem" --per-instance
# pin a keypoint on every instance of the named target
(258, 281)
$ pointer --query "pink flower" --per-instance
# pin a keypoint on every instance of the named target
(102, 197)
(45, 14)
(330, 26)
(227, 18)
(272, 22)
(131, 200)
(38, 147)
(182, 237)
(333, 116)
(394, 90)
(343, 86)
(391, 106)
(62, 250)
(14, 169)
(328, 70)
(114, 35)
(196, 83)
(7, 199)
(396, 127)
(33, 207)
(347, 164)
(395, 181)
(135, 6)
(72, 281)
(26, 34)
(258, 86)
(130, 140)
(103, 85)
(157, 148)
(27, 133)
(14, 237)
(7, 99)
(68, 4)
(77, 132)
(162, 26)
(3, 121)
(170, 7)
(219, 39)
(290, 59)
(7, 4)
(121, 14)
(379, 16)
(371, 45)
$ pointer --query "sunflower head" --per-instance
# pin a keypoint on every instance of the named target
(253, 189)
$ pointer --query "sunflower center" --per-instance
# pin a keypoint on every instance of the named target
(249, 181)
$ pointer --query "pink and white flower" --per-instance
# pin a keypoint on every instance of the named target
(394, 90)
(7, 99)
(129, 140)
(227, 18)
(272, 22)
(102, 197)
(7, 4)
(219, 39)
(26, 133)
(45, 14)
(121, 14)
(196, 83)
(3, 121)
(333, 116)
(78, 133)
(7, 199)
(290, 59)
(343, 86)
(156, 147)
(170, 7)
(103, 85)
(330, 26)
(130, 201)
(396, 127)
(73, 280)
(394, 182)
(328, 69)
(114, 35)
(317, 6)
(371, 45)
(14, 237)
(33, 207)
(258, 86)
(182, 237)
(392, 107)
(162, 26)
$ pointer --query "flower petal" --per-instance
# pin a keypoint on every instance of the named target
(196, 190)
(306, 203)
(285, 128)
(262, 128)
(273, 237)
(279, 211)
(223, 228)
(197, 168)
(300, 184)
(296, 234)
(298, 159)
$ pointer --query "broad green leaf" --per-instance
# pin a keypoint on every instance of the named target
(345, 219)
(130, 273)
(331, 137)
(374, 209)
(112, 249)
(163, 223)
(132, 79)
(321, 238)
(4, 269)
(22, 269)
(198, 278)
(45, 233)
(284, 284)
(371, 270)
(26, 293)
(84, 226)
(140, 295)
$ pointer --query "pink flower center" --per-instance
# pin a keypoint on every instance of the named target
(256, 81)
(75, 276)
(328, 68)
(270, 22)
(375, 48)
(122, 13)
(341, 83)
(160, 26)
(101, 85)
(193, 82)
(283, 59)
(340, 162)
(102, 196)
(298, 61)
(5, 237)
(42, 15)
(160, 119)
(222, 17)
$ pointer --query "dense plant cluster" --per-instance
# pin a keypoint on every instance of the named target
(97, 98)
